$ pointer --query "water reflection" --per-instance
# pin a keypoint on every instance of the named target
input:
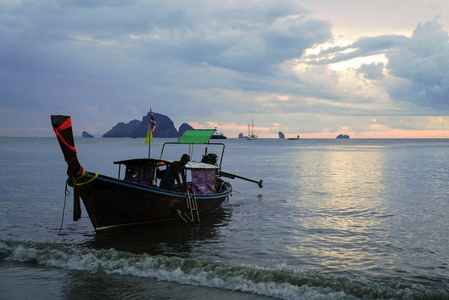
(341, 195)
(167, 238)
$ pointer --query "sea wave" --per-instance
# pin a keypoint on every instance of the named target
(283, 282)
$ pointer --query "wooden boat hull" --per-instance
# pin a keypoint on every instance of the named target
(113, 203)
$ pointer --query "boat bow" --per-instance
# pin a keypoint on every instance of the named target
(62, 126)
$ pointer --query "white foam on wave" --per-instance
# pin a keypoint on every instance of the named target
(281, 282)
(242, 278)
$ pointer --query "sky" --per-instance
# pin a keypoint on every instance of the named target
(314, 68)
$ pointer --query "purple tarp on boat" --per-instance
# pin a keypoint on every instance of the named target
(203, 181)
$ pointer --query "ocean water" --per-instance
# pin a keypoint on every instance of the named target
(336, 219)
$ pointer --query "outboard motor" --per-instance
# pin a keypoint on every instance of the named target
(210, 158)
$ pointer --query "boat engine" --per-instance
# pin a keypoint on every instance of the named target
(210, 158)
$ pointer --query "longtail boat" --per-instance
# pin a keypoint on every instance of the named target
(136, 198)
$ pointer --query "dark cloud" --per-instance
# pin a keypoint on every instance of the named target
(103, 52)
(96, 3)
(372, 71)
(244, 38)
(418, 64)
(423, 63)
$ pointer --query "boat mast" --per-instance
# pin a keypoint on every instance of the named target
(252, 128)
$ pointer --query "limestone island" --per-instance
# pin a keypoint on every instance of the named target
(343, 136)
(87, 135)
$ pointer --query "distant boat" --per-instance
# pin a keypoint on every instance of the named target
(293, 139)
(251, 136)
(343, 136)
(218, 135)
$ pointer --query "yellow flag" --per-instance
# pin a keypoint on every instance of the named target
(149, 137)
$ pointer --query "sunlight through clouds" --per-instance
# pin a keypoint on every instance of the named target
(355, 63)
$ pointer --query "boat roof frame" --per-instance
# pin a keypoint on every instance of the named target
(204, 136)
(191, 149)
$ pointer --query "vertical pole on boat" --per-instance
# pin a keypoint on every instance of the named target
(149, 137)
(149, 129)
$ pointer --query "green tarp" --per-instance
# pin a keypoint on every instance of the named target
(196, 136)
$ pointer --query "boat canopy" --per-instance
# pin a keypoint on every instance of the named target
(200, 165)
(193, 165)
(141, 161)
(201, 138)
(196, 136)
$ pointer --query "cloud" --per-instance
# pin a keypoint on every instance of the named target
(423, 64)
(199, 61)
(100, 55)
(96, 3)
(365, 46)
(240, 37)
(416, 70)
(372, 71)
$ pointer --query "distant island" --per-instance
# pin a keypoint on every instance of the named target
(135, 129)
(282, 136)
(87, 135)
(343, 136)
